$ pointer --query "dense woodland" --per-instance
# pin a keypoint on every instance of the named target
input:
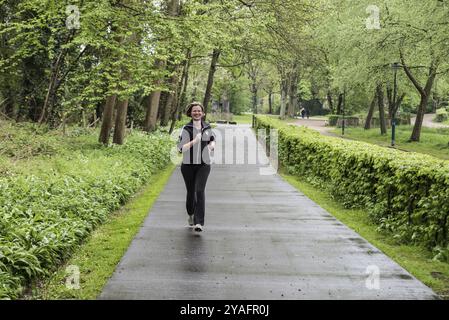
(123, 63)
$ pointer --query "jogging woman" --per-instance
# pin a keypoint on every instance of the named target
(195, 142)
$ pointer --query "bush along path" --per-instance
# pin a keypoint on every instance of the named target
(406, 194)
(51, 202)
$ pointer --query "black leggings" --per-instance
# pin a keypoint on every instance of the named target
(195, 177)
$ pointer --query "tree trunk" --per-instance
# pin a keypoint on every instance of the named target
(254, 97)
(423, 92)
(151, 103)
(330, 102)
(120, 122)
(369, 117)
(380, 103)
(152, 107)
(435, 102)
(283, 98)
(270, 101)
(170, 104)
(425, 95)
(390, 102)
(162, 103)
(180, 91)
(53, 84)
(210, 79)
(175, 109)
(340, 103)
(106, 125)
(293, 91)
(416, 133)
(168, 109)
(183, 98)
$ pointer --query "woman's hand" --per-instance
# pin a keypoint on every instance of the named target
(211, 145)
(197, 138)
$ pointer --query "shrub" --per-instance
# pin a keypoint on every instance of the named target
(441, 115)
(337, 120)
(404, 193)
(333, 118)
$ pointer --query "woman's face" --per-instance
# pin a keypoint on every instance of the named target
(197, 113)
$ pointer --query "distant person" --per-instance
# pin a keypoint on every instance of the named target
(303, 112)
(196, 140)
(307, 113)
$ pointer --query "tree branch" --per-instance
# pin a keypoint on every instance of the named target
(410, 76)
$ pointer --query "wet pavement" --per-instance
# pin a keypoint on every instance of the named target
(262, 240)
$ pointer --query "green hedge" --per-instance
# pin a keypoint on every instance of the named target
(404, 193)
(44, 215)
(333, 118)
(336, 120)
(442, 115)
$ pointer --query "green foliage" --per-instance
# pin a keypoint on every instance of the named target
(333, 118)
(26, 140)
(434, 141)
(50, 206)
(350, 121)
(98, 257)
(442, 115)
(406, 194)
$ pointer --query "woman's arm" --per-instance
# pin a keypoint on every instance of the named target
(190, 144)
(211, 145)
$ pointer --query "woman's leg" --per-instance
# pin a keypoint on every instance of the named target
(201, 176)
(188, 173)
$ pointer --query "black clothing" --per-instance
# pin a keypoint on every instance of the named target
(196, 154)
(195, 168)
(195, 177)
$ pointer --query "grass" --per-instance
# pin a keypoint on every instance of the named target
(433, 141)
(416, 260)
(247, 118)
(98, 257)
(243, 118)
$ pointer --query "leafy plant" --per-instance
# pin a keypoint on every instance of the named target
(50, 204)
(441, 115)
(404, 193)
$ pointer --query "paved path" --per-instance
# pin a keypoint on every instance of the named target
(316, 124)
(263, 240)
(428, 121)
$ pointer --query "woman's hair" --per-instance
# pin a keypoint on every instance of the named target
(191, 105)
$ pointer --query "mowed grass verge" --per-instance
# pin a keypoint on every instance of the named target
(416, 260)
(433, 141)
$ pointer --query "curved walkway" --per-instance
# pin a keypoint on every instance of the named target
(428, 121)
(316, 124)
(263, 240)
(319, 125)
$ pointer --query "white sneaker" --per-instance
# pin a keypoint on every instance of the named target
(190, 221)
(198, 228)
